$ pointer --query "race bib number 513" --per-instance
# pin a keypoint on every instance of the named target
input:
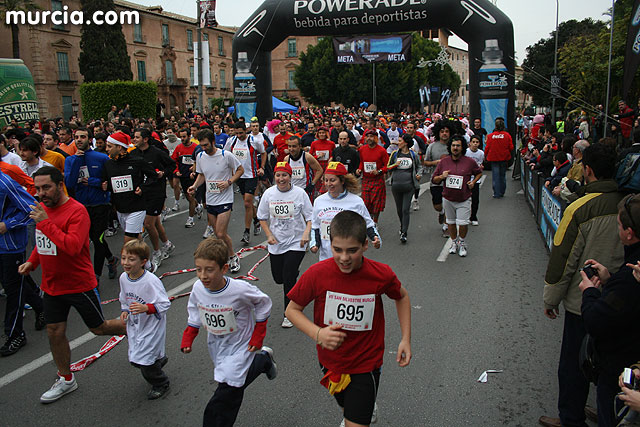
(353, 312)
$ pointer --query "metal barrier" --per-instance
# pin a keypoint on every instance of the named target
(546, 208)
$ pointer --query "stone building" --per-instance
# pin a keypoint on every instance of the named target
(160, 47)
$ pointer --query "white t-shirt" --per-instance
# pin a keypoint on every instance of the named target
(325, 208)
(478, 156)
(228, 351)
(243, 153)
(12, 159)
(146, 333)
(356, 134)
(216, 169)
(287, 213)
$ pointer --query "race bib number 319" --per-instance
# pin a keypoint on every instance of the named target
(353, 312)
(122, 184)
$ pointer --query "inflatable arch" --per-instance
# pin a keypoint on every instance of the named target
(488, 32)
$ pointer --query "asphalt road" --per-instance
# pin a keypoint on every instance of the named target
(469, 315)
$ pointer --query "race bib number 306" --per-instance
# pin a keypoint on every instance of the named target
(214, 187)
(353, 312)
(218, 320)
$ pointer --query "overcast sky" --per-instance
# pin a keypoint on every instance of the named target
(532, 20)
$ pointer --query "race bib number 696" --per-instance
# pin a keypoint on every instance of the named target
(218, 320)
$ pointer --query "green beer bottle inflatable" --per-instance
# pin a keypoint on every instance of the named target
(17, 93)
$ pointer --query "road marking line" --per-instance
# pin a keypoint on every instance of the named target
(43, 360)
(424, 187)
(444, 253)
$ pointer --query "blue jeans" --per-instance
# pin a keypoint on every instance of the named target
(499, 178)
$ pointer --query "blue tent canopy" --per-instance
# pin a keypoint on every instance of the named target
(278, 106)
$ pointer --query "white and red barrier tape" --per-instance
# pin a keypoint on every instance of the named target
(115, 340)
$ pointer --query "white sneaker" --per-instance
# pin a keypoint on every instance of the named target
(156, 259)
(462, 249)
(286, 323)
(415, 205)
(190, 223)
(59, 389)
(272, 373)
(167, 249)
(165, 212)
(199, 210)
(454, 247)
(475, 223)
(234, 264)
(208, 232)
(445, 231)
(176, 206)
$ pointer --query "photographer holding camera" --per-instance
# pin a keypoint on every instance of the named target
(609, 303)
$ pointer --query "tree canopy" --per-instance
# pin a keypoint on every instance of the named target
(103, 55)
(322, 81)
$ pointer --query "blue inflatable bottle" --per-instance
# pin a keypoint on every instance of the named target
(493, 92)
(244, 88)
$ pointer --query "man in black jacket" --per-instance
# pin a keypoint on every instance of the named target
(154, 194)
(611, 302)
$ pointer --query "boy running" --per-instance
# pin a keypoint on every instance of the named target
(235, 316)
(144, 303)
(348, 317)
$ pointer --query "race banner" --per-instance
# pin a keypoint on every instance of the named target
(368, 49)
(208, 14)
(632, 55)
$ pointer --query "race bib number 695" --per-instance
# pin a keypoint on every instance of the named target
(353, 312)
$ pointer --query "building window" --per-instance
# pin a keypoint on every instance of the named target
(137, 33)
(292, 50)
(191, 75)
(220, 46)
(165, 34)
(63, 66)
(67, 107)
(223, 81)
(142, 71)
(56, 6)
(169, 71)
(292, 84)
(189, 39)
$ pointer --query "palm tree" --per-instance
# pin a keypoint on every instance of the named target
(16, 5)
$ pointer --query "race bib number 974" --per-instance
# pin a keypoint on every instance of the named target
(454, 181)
(353, 312)
(218, 320)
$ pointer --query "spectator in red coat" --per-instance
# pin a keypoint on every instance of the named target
(626, 118)
(498, 152)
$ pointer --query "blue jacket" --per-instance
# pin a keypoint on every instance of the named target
(91, 194)
(15, 215)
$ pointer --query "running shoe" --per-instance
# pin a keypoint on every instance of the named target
(40, 323)
(167, 249)
(445, 231)
(3, 294)
(165, 212)
(256, 228)
(28, 307)
(234, 264)
(236, 189)
(454, 247)
(190, 223)
(199, 210)
(286, 323)
(256, 201)
(157, 392)
(176, 206)
(59, 389)
(110, 232)
(403, 238)
(245, 237)
(208, 232)
(462, 249)
(272, 373)
(112, 266)
(415, 205)
(156, 260)
(145, 234)
(12, 345)
(476, 223)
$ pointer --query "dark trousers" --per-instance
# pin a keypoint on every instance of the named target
(605, 395)
(475, 202)
(99, 216)
(573, 386)
(20, 290)
(285, 270)
(402, 195)
(222, 410)
(153, 374)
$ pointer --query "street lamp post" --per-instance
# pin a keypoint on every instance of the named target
(606, 108)
(555, 69)
(200, 85)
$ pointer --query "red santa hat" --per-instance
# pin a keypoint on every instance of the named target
(119, 138)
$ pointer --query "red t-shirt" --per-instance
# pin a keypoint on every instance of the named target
(280, 141)
(377, 155)
(361, 351)
(321, 149)
(67, 267)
